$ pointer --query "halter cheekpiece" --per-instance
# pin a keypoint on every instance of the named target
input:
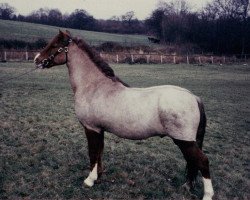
(50, 59)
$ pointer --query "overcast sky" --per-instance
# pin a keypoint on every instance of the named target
(100, 9)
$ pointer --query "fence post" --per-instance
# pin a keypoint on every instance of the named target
(161, 59)
(27, 55)
(132, 58)
(148, 58)
(224, 59)
(212, 59)
(174, 60)
(117, 58)
(5, 56)
(199, 60)
(187, 60)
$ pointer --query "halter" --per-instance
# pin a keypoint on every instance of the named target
(45, 62)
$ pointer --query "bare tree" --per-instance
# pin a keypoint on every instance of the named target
(128, 17)
(229, 8)
(232, 10)
(55, 17)
(39, 16)
(174, 7)
(6, 11)
(173, 16)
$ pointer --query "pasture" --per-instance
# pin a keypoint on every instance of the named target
(30, 32)
(43, 152)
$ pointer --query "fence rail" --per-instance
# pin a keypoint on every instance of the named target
(121, 57)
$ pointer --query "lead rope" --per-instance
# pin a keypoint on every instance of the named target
(47, 60)
(20, 75)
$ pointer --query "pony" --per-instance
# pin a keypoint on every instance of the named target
(104, 103)
(154, 40)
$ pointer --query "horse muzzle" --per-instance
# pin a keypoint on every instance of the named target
(42, 64)
(37, 63)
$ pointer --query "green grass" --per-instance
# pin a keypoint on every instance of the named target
(43, 152)
(31, 32)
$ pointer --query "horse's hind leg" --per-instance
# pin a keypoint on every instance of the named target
(196, 161)
(95, 147)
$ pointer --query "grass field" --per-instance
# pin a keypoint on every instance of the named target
(43, 152)
(31, 32)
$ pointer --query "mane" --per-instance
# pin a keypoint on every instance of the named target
(99, 62)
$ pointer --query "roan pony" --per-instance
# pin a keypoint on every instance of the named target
(104, 103)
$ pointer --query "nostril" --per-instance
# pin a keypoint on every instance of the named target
(36, 61)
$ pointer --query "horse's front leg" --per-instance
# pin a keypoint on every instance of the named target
(95, 147)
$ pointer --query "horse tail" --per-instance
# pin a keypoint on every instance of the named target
(202, 125)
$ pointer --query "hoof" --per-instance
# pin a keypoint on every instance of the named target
(207, 197)
(208, 189)
(88, 182)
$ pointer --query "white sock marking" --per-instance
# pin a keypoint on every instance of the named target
(92, 177)
(208, 189)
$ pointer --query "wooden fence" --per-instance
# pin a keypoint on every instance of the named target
(121, 57)
(16, 55)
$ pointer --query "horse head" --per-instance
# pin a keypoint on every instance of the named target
(55, 53)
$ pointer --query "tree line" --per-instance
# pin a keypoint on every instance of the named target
(78, 19)
(220, 27)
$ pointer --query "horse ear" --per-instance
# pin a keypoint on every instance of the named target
(68, 33)
(61, 34)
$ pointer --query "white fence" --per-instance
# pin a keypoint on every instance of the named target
(121, 57)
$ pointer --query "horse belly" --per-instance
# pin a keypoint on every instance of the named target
(138, 121)
(130, 123)
(136, 129)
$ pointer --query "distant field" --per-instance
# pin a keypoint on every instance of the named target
(30, 32)
(43, 152)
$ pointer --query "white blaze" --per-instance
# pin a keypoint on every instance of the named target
(92, 177)
(37, 55)
(208, 189)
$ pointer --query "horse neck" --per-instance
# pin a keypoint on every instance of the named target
(82, 70)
